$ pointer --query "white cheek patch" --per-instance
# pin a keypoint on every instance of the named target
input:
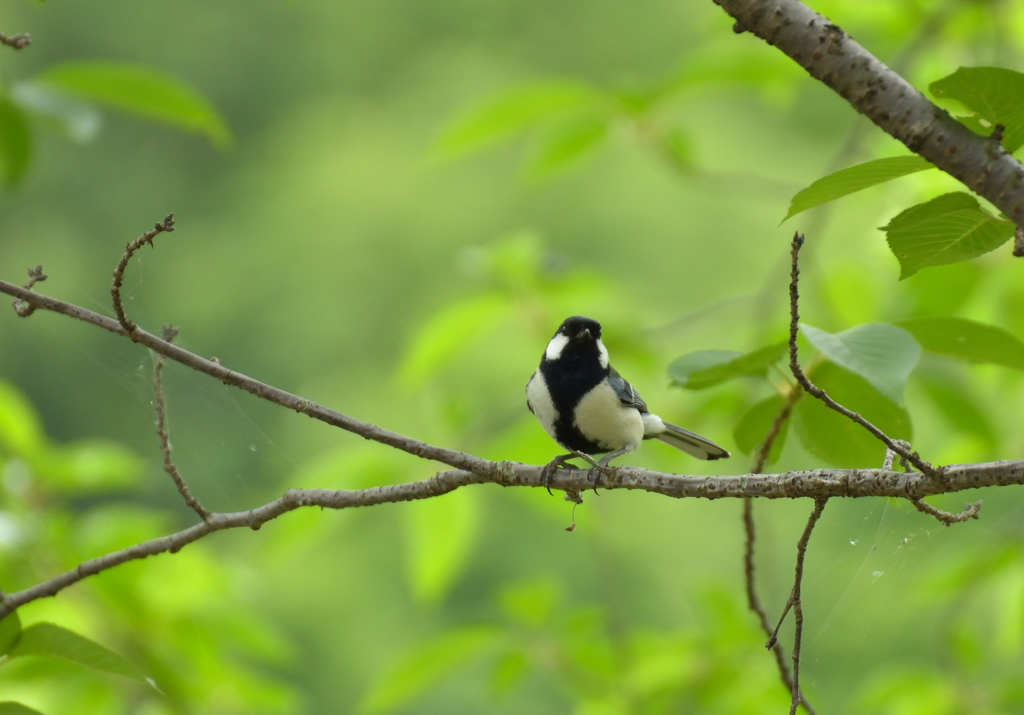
(602, 353)
(556, 346)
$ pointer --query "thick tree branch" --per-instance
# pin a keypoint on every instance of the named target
(833, 57)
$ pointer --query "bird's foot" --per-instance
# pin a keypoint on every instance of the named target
(601, 467)
(562, 462)
(551, 467)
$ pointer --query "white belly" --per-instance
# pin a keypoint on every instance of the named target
(603, 419)
(540, 402)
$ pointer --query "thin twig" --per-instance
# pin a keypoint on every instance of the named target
(165, 442)
(798, 611)
(753, 601)
(35, 275)
(129, 250)
(1018, 242)
(18, 42)
(948, 518)
(794, 366)
(766, 447)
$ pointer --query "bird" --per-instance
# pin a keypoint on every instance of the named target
(588, 408)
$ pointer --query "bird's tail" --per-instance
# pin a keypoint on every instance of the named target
(684, 439)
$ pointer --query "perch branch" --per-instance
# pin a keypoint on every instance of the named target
(794, 366)
(805, 483)
(833, 57)
(165, 440)
(468, 469)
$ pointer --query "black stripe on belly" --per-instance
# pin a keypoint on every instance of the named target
(568, 381)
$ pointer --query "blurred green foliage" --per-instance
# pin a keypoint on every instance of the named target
(365, 242)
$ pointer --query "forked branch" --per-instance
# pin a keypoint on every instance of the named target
(897, 446)
(467, 469)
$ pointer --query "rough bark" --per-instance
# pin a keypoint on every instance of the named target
(831, 56)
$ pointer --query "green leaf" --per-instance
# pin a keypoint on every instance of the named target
(854, 178)
(960, 408)
(423, 667)
(839, 440)
(755, 424)
(52, 641)
(15, 141)
(882, 354)
(994, 94)
(947, 229)
(512, 112)
(706, 368)
(441, 535)
(566, 144)
(683, 366)
(142, 91)
(967, 340)
(13, 708)
(943, 290)
(10, 632)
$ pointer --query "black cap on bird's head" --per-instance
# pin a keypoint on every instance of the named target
(580, 329)
(577, 340)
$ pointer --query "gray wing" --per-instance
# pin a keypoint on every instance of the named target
(626, 393)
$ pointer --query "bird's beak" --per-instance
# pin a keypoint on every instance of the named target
(583, 334)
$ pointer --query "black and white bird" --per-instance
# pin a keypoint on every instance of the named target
(588, 408)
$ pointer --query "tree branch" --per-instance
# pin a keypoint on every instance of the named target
(970, 512)
(819, 484)
(129, 250)
(798, 611)
(165, 440)
(18, 42)
(753, 601)
(35, 275)
(833, 57)
(897, 446)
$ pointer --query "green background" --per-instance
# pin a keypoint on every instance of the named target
(335, 252)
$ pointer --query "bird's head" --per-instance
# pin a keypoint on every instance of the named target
(577, 338)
